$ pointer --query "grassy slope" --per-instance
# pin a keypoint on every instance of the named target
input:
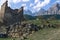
(44, 34)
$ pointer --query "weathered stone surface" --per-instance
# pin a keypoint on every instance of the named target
(23, 30)
(9, 16)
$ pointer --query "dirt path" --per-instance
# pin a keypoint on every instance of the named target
(54, 35)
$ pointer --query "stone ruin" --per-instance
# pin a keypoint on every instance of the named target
(23, 30)
(10, 20)
(10, 16)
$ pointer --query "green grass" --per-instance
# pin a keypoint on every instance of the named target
(39, 22)
(44, 34)
(9, 38)
(5, 39)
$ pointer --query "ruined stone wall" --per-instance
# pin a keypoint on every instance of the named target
(3, 8)
(13, 16)
(10, 16)
(20, 12)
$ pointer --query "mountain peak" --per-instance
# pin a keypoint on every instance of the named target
(54, 9)
(56, 5)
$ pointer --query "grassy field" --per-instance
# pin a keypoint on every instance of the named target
(46, 34)
(39, 22)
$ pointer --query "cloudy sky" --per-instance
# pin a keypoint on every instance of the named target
(33, 5)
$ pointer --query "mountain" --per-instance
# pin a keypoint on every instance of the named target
(55, 9)
(40, 12)
(52, 12)
(55, 16)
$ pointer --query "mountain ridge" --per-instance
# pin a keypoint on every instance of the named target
(54, 9)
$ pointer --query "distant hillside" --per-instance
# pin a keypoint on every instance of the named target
(56, 16)
(29, 17)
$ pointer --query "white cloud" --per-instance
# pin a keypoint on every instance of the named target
(58, 1)
(25, 0)
(45, 2)
(25, 8)
(23, 5)
(36, 1)
(39, 5)
(16, 1)
(31, 5)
